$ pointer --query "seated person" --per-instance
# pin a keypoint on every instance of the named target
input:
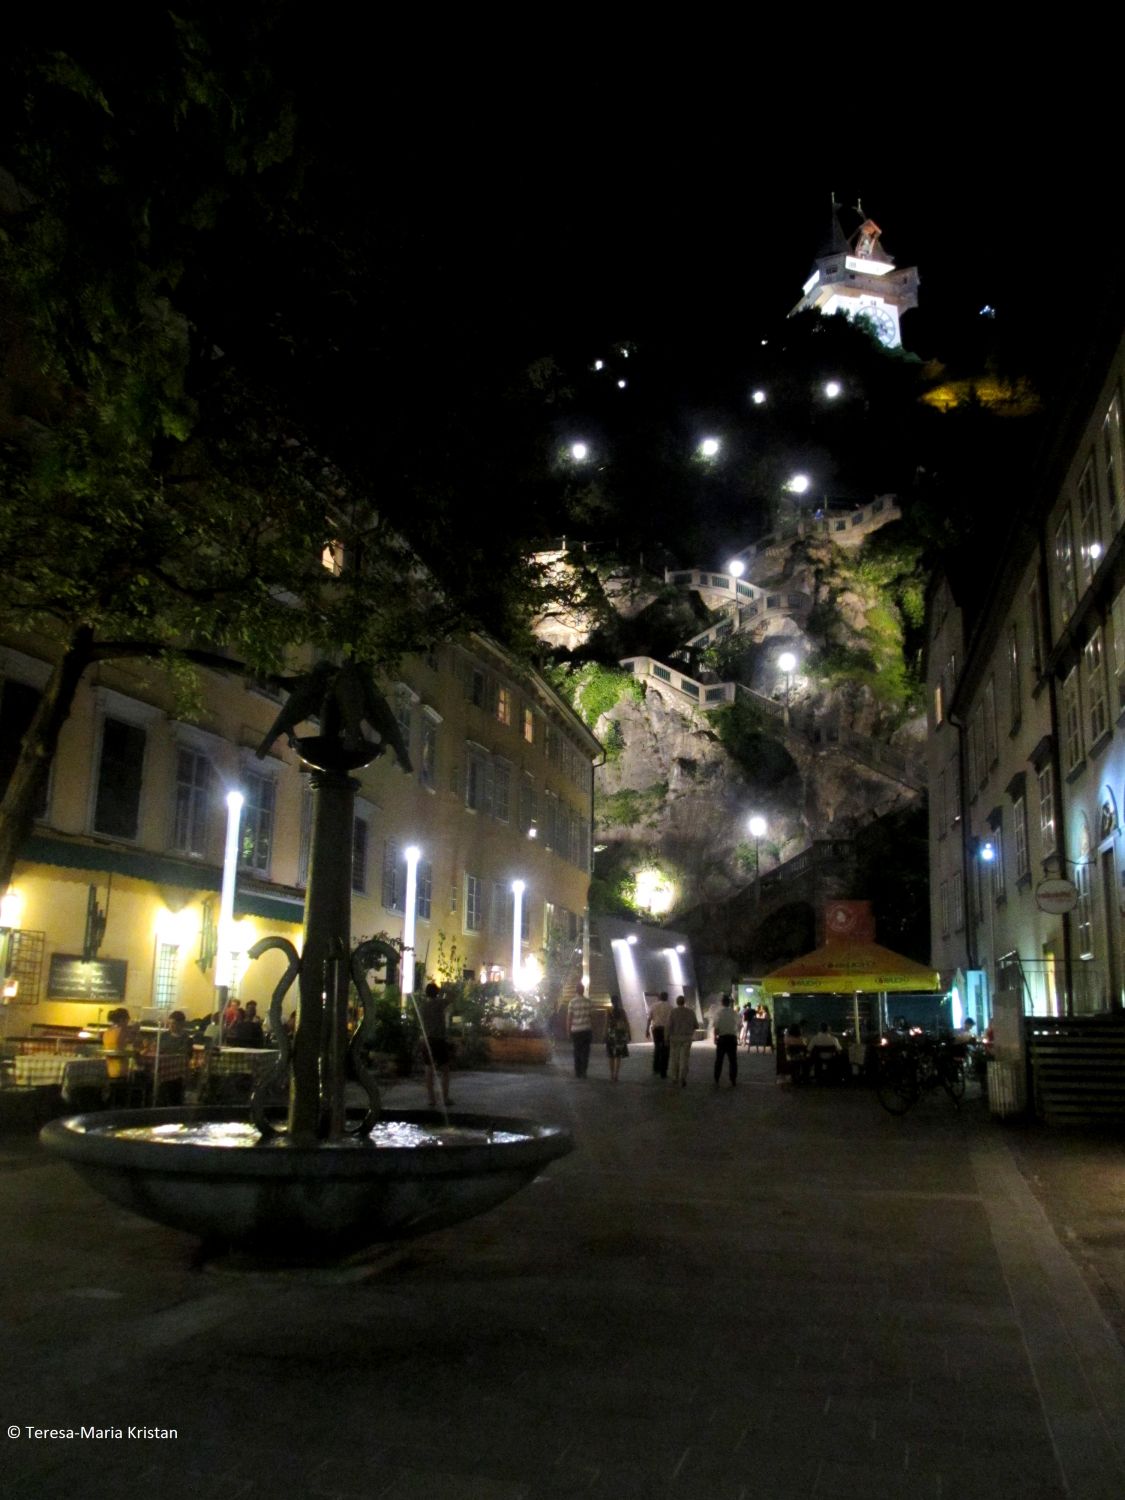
(177, 1038)
(826, 1051)
(118, 1037)
(247, 1030)
(796, 1053)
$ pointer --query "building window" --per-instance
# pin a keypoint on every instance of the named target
(425, 901)
(500, 915)
(1089, 526)
(504, 705)
(427, 761)
(527, 802)
(1117, 616)
(1064, 569)
(939, 716)
(194, 794)
(1084, 910)
(18, 702)
(1015, 704)
(529, 724)
(256, 838)
(361, 844)
(997, 841)
(474, 903)
(988, 710)
(404, 714)
(940, 809)
(550, 820)
(1035, 620)
(478, 687)
(1111, 464)
(394, 877)
(1019, 834)
(958, 902)
(945, 908)
(973, 753)
(501, 790)
(952, 782)
(166, 976)
(1047, 843)
(1072, 722)
(476, 779)
(1097, 709)
(117, 806)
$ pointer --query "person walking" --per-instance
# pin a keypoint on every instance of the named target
(435, 1047)
(657, 1028)
(725, 1032)
(580, 1024)
(681, 1031)
(616, 1036)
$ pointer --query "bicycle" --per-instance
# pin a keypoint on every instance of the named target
(917, 1067)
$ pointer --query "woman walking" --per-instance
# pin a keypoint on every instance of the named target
(616, 1036)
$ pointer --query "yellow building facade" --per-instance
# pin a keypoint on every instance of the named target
(117, 898)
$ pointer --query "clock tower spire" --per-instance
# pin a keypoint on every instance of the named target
(854, 274)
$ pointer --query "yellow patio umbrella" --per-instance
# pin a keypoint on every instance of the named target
(851, 966)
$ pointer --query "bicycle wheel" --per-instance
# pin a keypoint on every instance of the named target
(898, 1088)
(953, 1079)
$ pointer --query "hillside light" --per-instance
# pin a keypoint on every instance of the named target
(518, 888)
(736, 567)
(799, 484)
(758, 397)
(579, 452)
(412, 855)
(709, 447)
(599, 364)
(621, 385)
(832, 389)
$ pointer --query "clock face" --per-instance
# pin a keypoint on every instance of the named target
(882, 324)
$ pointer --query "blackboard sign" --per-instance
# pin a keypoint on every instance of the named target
(72, 978)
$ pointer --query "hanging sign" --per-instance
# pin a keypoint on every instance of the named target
(1056, 896)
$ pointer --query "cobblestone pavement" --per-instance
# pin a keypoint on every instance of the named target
(752, 1292)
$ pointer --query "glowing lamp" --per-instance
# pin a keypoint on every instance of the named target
(579, 451)
(709, 447)
(736, 568)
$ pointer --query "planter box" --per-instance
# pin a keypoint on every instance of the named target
(518, 1049)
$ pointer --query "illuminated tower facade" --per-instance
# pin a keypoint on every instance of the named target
(855, 275)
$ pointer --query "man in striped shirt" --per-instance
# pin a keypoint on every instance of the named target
(580, 1024)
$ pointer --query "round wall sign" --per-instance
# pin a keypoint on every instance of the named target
(1056, 896)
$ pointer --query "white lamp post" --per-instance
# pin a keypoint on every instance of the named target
(518, 888)
(788, 664)
(224, 971)
(413, 855)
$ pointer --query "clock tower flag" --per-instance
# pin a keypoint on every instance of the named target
(855, 275)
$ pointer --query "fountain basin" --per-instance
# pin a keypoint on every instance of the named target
(300, 1203)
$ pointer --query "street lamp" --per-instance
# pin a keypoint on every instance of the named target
(579, 452)
(832, 389)
(758, 398)
(986, 853)
(798, 484)
(412, 855)
(709, 447)
(518, 888)
(788, 664)
(736, 567)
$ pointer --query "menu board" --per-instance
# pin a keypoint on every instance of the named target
(95, 981)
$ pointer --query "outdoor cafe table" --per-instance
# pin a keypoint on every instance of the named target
(228, 1061)
(42, 1069)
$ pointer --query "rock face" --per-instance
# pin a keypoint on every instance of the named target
(680, 785)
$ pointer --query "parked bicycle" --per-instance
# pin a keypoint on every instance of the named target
(917, 1066)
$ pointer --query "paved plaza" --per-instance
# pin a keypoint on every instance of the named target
(765, 1291)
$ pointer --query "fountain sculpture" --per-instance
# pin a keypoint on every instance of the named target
(319, 1181)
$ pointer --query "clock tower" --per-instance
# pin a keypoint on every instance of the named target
(855, 275)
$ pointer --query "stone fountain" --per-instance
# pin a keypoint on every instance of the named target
(314, 1181)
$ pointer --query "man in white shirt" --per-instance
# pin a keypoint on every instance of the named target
(725, 1031)
(681, 1031)
(580, 1024)
(658, 1029)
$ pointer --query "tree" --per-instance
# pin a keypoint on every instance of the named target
(159, 498)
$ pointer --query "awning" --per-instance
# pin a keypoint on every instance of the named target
(848, 967)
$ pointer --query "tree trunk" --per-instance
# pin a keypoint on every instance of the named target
(17, 810)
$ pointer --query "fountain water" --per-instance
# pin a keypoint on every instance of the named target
(322, 1182)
